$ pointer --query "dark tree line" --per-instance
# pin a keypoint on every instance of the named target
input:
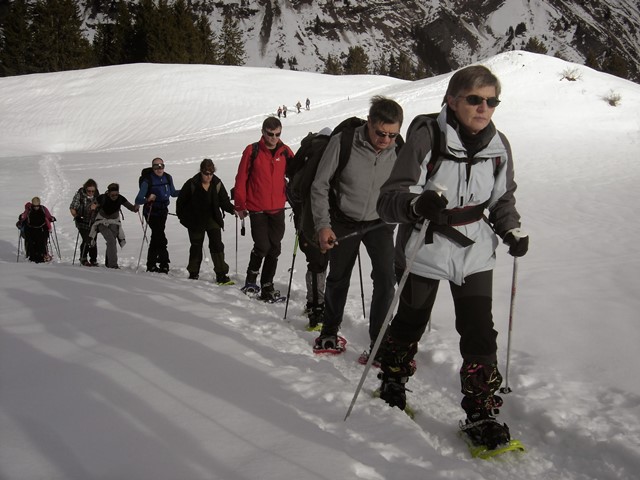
(47, 36)
(357, 62)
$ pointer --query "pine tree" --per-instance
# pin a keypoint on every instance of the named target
(357, 61)
(15, 40)
(58, 43)
(112, 42)
(535, 45)
(405, 68)
(205, 47)
(332, 66)
(231, 43)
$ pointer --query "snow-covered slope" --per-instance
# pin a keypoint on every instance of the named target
(114, 375)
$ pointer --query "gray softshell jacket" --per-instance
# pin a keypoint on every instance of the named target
(359, 183)
(489, 178)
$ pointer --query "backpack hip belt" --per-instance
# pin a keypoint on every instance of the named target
(453, 218)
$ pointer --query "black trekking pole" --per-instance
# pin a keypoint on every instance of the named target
(514, 283)
(293, 262)
(144, 234)
(364, 312)
(360, 232)
(19, 243)
(75, 249)
(387, 320)
(56, 244)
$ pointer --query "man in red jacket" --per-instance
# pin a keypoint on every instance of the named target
(259, 193)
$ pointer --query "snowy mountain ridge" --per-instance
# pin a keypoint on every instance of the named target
(438, 36)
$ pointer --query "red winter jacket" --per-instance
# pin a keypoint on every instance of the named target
(260, 185)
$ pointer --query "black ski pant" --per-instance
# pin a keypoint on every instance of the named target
(86, 249)
(157, 253)
(216, 249)
(267, 231)
(474, 321)
(342, 258)
(35, 243)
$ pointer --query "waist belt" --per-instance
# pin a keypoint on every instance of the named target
(450, 218)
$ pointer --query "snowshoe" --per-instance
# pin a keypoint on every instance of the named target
(224, 280)
(364, 358)
(330, 344)
(271, 295)
(250, 290)
(486, 438)
(486, 431)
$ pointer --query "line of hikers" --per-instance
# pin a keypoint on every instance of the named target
(348, 187)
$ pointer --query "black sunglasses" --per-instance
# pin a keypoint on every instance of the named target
(272, 134)
(158, 166)
(207, 173)
(492, 102)
(386, 134)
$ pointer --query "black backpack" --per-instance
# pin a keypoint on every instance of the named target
(301, 171)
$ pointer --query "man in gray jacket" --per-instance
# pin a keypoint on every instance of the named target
(471, 171)
(347, 205)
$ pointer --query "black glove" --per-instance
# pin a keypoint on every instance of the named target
(54, 219)
(518, 242)
(430, 205)
(77, 218)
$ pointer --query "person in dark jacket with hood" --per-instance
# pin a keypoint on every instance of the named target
(84, 216)
(200, 207)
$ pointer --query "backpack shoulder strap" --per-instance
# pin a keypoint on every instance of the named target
(255, 147)
(346, 144)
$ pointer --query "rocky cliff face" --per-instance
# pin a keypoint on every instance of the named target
(440, 35)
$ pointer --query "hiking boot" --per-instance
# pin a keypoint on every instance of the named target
(315, 314)
(393, 391)
(193, 276)
(93, 263)
(484, 429)
(252, 277)
(268, 293)
(85, 263)
(163, 268)
(152, 268)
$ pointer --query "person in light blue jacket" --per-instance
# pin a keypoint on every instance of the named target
(452, 188)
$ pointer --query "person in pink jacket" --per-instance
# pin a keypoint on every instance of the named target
(35, 225)
(259, 193)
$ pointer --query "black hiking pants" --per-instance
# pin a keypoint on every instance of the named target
(157, 253)
(267, 230)
(342, 258)
(474, 321)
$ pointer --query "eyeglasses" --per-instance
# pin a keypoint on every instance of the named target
(158, 166)
(114, 193)
(271, 134)
(492, 102)
(207, 173)
(386, 134)
(91, 190)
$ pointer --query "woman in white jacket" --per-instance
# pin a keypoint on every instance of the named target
(451, 170)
